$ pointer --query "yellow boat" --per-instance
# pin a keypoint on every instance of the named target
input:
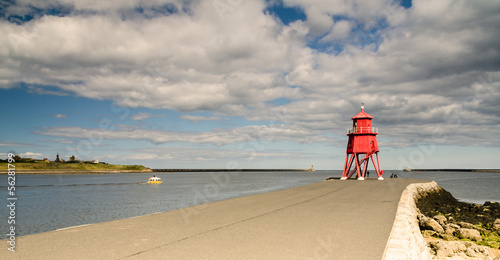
(154, 179)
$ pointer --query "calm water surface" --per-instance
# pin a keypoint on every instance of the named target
(50, 202)
(473, 187)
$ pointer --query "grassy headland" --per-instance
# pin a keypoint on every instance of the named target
(40, 167)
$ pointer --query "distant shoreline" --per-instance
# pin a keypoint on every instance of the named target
(146, 170)
(232, 170)
(453, 170)
(42, 167)
(69, 172)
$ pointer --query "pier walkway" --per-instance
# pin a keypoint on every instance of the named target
(329, 220)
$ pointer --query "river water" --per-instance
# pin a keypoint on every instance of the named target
(50, 202)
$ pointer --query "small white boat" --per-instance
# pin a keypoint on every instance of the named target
(154, 179)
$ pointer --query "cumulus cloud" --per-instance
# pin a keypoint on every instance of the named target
(318, 21)
(222, 136)
(414, 68)
(170, 157)
(206, 66)
(341, 30)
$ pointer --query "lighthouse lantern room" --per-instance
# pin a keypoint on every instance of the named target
(361, 147)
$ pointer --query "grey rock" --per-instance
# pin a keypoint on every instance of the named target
(440, 219)
(448, 237)
(450, 229)
(467, 225)
(470, 226)
(431, 224)
(421, 219)
(447, 248)
(481, 252)
(459, 250)
(428, 233)
(468, 233)
(496, 225)
(489, 203)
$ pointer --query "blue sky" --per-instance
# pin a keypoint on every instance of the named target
(251, 84)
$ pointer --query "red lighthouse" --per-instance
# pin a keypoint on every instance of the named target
(361, 147)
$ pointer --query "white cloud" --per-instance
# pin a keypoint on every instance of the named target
(364, 11)
(420, 66)
(12, 144)
(144, 116)
(31, 155)
(183, 155)
(318, 21)
(88, 6)
(208, 64)
(42, 91)
(60, 116)
(341, 29)
(222, 136)
(62, 141)
(199, 118)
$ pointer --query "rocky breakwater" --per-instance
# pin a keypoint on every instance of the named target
(458, 230)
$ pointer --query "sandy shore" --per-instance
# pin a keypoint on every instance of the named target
(329, 220)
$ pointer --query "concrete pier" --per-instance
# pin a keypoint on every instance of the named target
(329, 220)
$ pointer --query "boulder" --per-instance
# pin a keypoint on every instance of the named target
(467, 225)
(459, 250)
(448, 237)
(478, 252)
(496, 225)
(430, 224)
(468, 233)
(450, 229)
(428, 233)
(447, 248)
(489, 203)
(440, 219)
(470, 226)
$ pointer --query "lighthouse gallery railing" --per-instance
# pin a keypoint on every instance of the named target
(362, 130)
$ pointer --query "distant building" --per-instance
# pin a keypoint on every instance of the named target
(57, 158)
(46, 160)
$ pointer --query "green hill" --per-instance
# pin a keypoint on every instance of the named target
(40, 166)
